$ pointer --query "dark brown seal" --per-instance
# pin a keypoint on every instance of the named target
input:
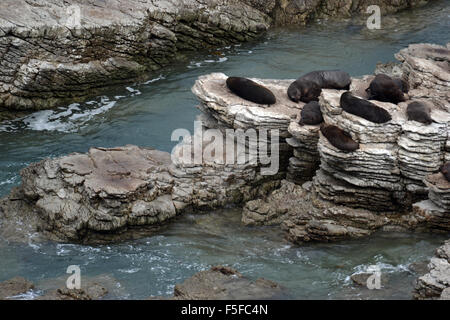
(250, 90)
(384, 88)
(364, 109)
(308, 87)
(419, 112)
(339, 138)
(445, 170)
(329, 79)
(311, 114)
(304, 90)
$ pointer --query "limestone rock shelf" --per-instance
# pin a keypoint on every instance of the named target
(49, 58)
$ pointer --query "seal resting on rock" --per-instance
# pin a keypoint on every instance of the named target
(339, 138)
(445, 170)
(308, 87)
(363, 108)
(384, 88)
(419, 112)
(304, 90)
(250, 90)
(329, 79)
(311, 114)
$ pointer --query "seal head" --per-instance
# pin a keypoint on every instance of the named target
(311, 114)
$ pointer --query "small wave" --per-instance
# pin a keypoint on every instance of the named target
(130, 271)
(133, 91)
(29, 295)
(161, 77)
(382, 267)
(9, 181)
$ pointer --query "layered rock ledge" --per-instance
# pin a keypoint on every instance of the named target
(436, 283)
(49, 58)
(390, 182)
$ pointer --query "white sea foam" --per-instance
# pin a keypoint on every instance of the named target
(8, 181)
(130, 271)
(161, 77)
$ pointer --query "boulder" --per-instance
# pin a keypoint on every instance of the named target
(225, 283)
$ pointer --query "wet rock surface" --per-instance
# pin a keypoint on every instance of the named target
(14, 287)
(436, 283)
(92, 288)
(225, 283)
(121, 193)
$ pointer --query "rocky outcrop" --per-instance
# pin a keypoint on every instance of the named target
(300, 12)
(49, 58)
(14, 287)
(436, 283)
(375, 187)
(225, 283)
(426, 67)
(116, 193)
(99, 195)
(53, 53)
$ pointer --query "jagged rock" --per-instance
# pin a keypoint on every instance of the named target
(124, 192)
(48, 59)
(90, 291)
(225, 283)
(14, 287)
(260, 212)
(426, 66)
(300, 12)
(436, 282)
(439, 190)
(305, 216)
(420, 267)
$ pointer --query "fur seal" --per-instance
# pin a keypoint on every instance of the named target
(308, 87)
(384, 88)
(364, 109)
(339, 138)
(329, 79)
(419, 112)
(250, 90)
(311, 114)
(445, 170)
(402, 84)
(304, 90)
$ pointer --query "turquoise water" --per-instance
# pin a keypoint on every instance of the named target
(146, 114)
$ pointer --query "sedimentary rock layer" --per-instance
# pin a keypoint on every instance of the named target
(54, 52)
(436, 283)
(48, 57)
